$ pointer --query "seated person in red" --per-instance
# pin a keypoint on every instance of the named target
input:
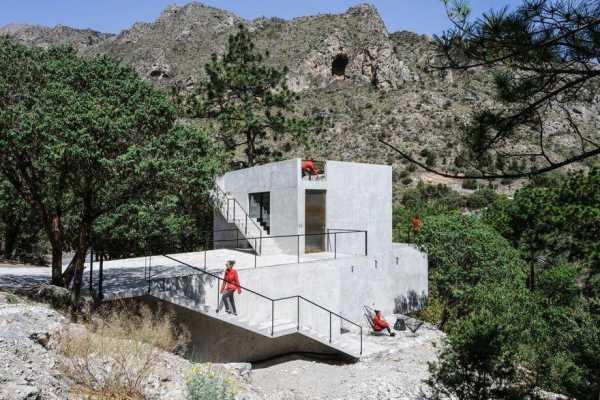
(380, 324)
(308, 168)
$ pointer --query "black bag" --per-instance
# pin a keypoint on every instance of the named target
(400, 325)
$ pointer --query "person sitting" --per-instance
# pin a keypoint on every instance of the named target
(379, 324)
(309, 169)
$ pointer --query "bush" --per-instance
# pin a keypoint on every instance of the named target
(431, 159)
(403, 174)
(113, 357)
(208, 383)
(482, 198)
(470, 184)
(411, 167)
(406, 181)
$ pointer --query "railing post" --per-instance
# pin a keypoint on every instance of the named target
(334, 244)
(272, 317)
(92, 269)
(329, 326)
(366, 235)
(255, 251)
(101, 276)
(361, 333)
(226, 198)
(298, 313)
(149, 273)
(234, 210)
(246, 226)
(298, 237)
(260, 244)
(218, 292)
(237, 239)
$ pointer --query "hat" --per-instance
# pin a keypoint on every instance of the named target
(231, 262)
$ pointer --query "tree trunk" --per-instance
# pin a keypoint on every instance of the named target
(56, 243)
(250, 149)
(78, 264)
(10, 240)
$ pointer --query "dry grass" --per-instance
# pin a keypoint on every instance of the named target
(113, 357)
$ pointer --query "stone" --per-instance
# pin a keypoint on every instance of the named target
(41, 338)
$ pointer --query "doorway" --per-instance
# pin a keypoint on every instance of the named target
(260, 209)
(314, 220)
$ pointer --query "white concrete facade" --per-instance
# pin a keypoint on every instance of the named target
(358, 198)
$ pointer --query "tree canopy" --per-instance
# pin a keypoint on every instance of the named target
(543, 57)
(82, 137)
(248, 102)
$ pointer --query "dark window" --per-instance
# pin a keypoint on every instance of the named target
(260, 209)
(338, 66)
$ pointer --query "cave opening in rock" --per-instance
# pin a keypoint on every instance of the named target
(338, 65)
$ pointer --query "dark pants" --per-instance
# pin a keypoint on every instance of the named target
(227, 299)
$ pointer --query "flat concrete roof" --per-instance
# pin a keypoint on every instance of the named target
(126, 277)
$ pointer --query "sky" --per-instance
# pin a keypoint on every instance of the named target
(421, 16)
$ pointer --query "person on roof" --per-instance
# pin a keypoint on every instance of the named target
(309, 169)
(229, 285)
(379, 324)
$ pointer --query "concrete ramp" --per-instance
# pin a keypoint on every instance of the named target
(222, 337)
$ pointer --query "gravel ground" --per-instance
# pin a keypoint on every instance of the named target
(394, 373)
(393, 369)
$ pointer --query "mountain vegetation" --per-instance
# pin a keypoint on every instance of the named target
(514, 284)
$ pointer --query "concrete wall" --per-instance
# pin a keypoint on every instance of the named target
(359, 196)
(217, 341)
(344, 286)
(281, 180)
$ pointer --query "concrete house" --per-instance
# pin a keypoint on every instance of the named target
(310, 251)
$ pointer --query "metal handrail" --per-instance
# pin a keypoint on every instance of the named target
(228, 198)
(273, 301)
(214, 276)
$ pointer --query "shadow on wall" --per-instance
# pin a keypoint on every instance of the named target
(410, 303)
(191, 286)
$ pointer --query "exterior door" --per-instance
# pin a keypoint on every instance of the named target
(314, 221)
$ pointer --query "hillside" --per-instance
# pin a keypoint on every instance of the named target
(347, 68)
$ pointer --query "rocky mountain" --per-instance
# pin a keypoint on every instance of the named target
(43, 36)
(346, 67)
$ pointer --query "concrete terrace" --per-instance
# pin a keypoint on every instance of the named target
(127, 277)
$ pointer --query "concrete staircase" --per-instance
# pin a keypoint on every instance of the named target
(347, 345)
(233, 212)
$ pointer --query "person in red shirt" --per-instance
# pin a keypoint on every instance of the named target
(309, 169)
(415, 226)
(380, 324)
(229, 285)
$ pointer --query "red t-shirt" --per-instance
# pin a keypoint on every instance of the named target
(232, 281)
(310, 166)
(379, 323)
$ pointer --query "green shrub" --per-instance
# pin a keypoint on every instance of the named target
(482, 198)
(407, 181)
(403, 174)
(431, 159)
(208, 383)
(470, 184)
(411, 167)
